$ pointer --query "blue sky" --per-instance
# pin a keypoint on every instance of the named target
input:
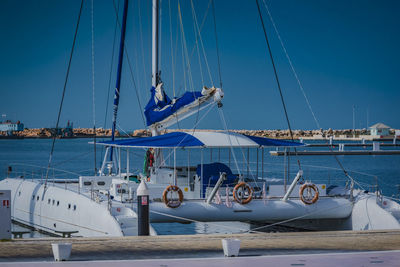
(344, 52)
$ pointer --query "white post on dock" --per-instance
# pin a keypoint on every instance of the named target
(375, 146)
(341, 147)
(143, 209)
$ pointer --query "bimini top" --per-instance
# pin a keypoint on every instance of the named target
(199, 139)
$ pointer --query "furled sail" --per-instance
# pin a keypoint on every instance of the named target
(161, 109)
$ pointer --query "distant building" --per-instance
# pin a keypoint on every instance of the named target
(8, 126)
(380, 129)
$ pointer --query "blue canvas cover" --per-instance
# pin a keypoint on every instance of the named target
(158, 109)
(175, 139)
(183, 139)
(263, 141)
(211, 174)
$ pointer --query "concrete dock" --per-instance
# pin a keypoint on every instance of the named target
(201, 246)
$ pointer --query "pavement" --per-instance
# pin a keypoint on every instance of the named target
(355, 248)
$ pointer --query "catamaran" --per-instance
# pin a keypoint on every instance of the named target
(105, 204)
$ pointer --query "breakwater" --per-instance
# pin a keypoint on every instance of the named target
(279, 134)
(50, 132)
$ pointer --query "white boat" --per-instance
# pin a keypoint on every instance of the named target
(105, 204)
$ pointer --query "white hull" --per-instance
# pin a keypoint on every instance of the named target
(257, 210)
(78, 212)
(74, 212)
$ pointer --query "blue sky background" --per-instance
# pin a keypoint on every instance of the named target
(345, 53)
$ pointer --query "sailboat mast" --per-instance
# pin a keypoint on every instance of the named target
(118, 82)
(155, 72)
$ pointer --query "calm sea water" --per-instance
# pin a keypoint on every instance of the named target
(74, 157)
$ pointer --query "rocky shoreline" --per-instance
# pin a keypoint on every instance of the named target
(49, 133)
(278, 134)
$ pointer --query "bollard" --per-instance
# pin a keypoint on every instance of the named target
(376, 146)
(61, 251)
(231, 247)
(143, 208)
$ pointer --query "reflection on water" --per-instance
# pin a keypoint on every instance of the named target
(165, 229)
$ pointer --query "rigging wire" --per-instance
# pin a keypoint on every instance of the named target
(131, 72)
(141, 38)
(300, 217)
(201, 43)
(172, 48)
(277, 79)
(300, 85)
(194, 46)
(216, 45)
(291, 64)
(211, 105)
(222, 117)
(201, 26)
(191, 85)
(93, 86)
(110, 75)
(63, 94)
(159, 37)
(197, 42)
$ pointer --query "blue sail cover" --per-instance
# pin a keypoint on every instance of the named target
(263, 141)
(175, 139)
(159, 108)
(200, 139)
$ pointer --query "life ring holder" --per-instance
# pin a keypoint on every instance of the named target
(245, 186)
(312, 187)
(169, 202)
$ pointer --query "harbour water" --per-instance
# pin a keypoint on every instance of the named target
(73, 157)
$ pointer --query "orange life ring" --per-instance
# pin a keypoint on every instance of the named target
(309, 186)
(239, 198)
(172, 203)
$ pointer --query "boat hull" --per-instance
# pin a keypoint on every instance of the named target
(255, 211)
(56, 210)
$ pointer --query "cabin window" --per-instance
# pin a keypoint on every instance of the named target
(58, 202)
(19, 193)
(48, 201)
(53, 201)
(101, 183)
(33, 197)
(37, 198)
(69, 206)
(74, 207)
(87, 183)
(121, 191)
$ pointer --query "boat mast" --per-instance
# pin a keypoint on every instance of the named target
(118, 82)
(155, 74)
